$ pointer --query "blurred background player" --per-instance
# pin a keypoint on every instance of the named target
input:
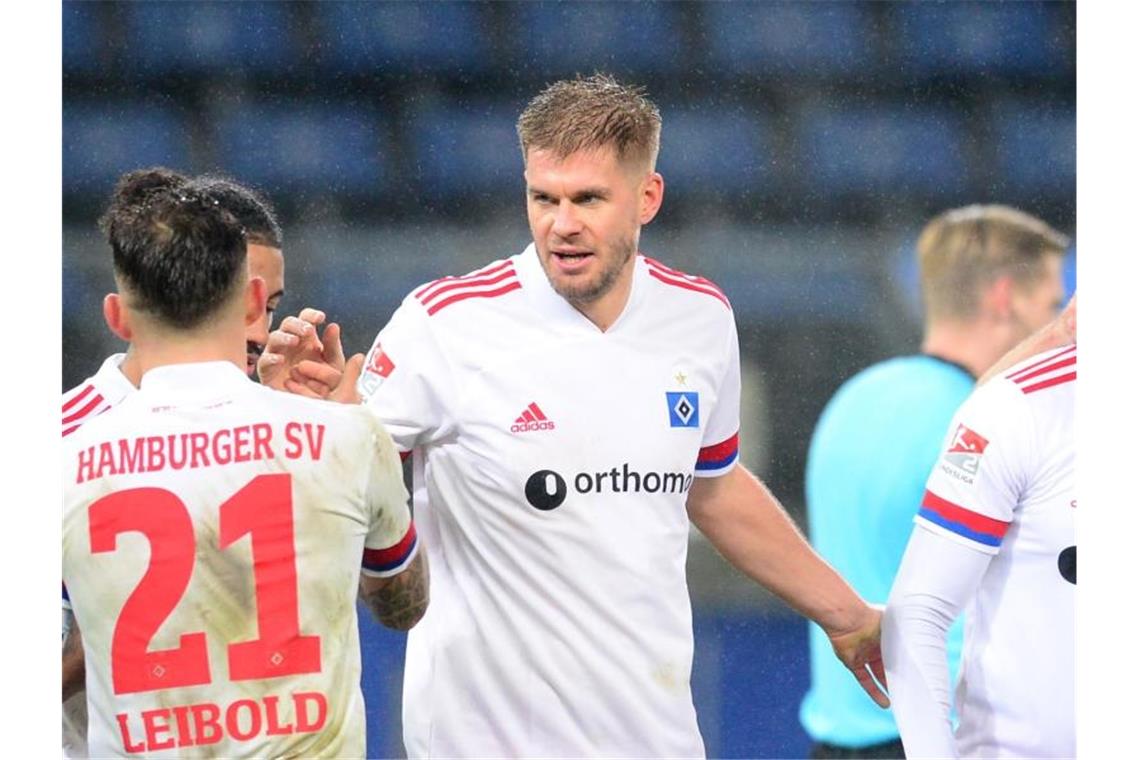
(120, 373)
(555, 500)
(991, 276)
(194, 636)
(995, 536)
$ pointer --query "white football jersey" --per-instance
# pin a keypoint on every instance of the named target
(84, 402)
(1005, 485)
(214, 535)
(552, 463)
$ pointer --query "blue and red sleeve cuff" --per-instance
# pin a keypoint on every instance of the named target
(711, 460)
(978, 528)
(386, 562)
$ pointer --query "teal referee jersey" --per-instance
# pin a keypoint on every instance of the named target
(870, 456)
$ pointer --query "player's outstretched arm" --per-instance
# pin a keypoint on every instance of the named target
(1060, 332)
(746, 524)
(398, 601)
(74, 670)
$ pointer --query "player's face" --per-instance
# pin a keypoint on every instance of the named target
(1035, 305)
(585, 213)
(268, 264)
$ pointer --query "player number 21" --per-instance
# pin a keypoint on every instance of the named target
(263, 509)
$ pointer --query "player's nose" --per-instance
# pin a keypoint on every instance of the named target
(566, 221)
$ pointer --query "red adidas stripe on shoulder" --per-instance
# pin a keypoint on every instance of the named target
(679, 279)
(71, 402)
(74, 421)
(490, 282)
(492, 268)
(1049, 383)
(1025, 372)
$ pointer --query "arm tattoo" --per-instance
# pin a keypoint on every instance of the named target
(73, 663)
(401, 600)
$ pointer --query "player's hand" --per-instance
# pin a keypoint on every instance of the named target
(859, 649)
(319, 380)
(297, 341)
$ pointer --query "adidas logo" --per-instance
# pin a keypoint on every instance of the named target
(532, 418)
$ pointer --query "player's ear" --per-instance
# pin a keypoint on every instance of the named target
(652, 193)
(117, 316)
(256, 296)
(998, 297)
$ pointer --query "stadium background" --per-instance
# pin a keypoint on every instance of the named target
(804, 145)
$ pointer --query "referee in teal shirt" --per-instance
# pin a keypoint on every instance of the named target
(991, 276)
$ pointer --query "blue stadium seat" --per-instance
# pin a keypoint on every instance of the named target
(1036, 148)
(83, 36)
(973, 37)
(426, 36)
(103, 140)
(171, 36)
(883, 150)
(557, 39)
(812, 38)
(467, 148)
(306, 147)
(714, 152)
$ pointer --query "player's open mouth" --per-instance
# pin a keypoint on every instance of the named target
(571, 260)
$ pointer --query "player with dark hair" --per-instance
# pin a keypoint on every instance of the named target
(120, 373)
(216, 533)
(569, 410)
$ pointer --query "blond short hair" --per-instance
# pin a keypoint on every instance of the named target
(590, 113)
(962, 250)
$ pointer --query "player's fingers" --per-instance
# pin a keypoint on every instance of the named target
(269, 367)
(333, 350)
(320, 372)
(300, 389)
(879, 672)
(312, 316)
(863, 675)
(297, 326)
(346, 392)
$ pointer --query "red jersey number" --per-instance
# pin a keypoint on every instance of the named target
(263, 509)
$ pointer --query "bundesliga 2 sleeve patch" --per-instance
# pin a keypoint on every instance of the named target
(962, 459)
(377, 367)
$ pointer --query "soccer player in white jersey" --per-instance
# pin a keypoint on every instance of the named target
(995, 535)
(119, 374)
(569, 410)
(215, 533)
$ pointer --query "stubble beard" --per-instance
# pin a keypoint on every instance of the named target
(583, 293)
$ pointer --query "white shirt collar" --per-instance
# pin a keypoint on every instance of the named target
(196, 378)
(556, 308)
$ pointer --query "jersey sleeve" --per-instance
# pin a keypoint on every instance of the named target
(391, 540)
(978, 480)
(936, 578)
(406, 379)
(720, 445)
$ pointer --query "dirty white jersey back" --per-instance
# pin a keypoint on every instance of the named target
(214, 535)
(1005, 485)
(552, 463)
(86, 401)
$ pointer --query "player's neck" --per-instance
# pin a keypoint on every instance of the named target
(974, 345)
(162, 349)
(605, 310)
